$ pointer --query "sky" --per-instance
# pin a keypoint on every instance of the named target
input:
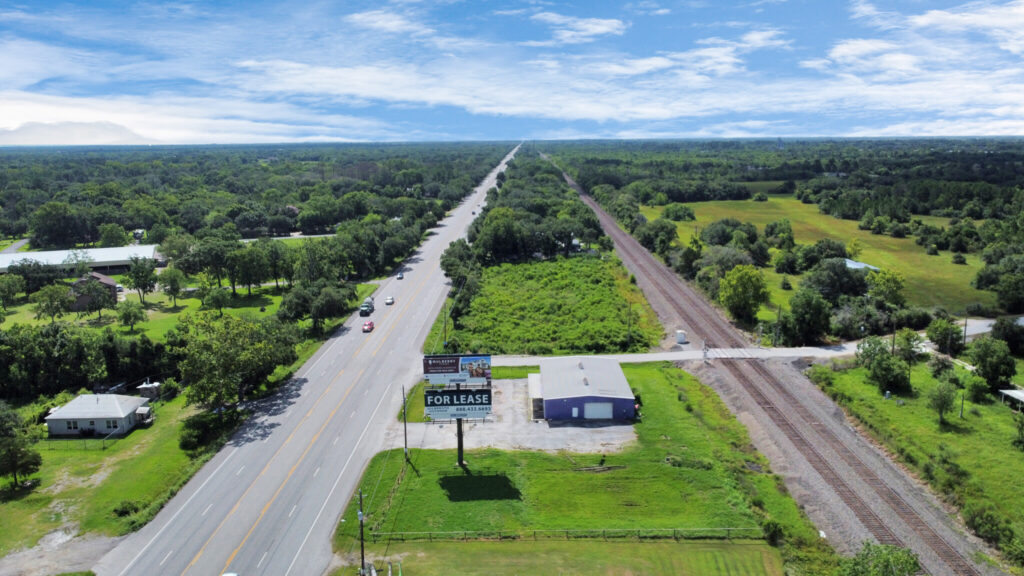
(253, 71)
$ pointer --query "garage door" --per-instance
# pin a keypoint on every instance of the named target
(597, 410)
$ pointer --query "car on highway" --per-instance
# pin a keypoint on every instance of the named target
(401, 275)
(389, 300)
(368, 326)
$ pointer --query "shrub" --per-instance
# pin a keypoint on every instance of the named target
(959, 258)
(1014, 551)
(785, 284)
(760, 197)
(772, 531)
(126, 508)
(939, 365)
(984, 521)
(821, 375)
(914, 318)
(932, 250)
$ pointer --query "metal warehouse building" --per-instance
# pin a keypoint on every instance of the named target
(98, 257)
(582, 388)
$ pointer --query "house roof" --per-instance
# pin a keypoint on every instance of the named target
(102, 279)
(98, 406)
(1017, 395)
(97, 256)
(859, 265)
(576, 376)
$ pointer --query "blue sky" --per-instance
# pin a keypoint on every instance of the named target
(254, 71)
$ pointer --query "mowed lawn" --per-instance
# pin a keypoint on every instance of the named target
(692, 468)
(930, 280)
(81, 487)
(981, 443)
(583, 558)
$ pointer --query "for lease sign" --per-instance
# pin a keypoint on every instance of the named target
(450, 404)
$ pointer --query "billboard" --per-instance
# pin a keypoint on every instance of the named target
(452, 404)
(457, 369)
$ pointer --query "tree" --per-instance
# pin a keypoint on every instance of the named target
(1006, 329)
(141, 276)
(35, 274)
(833, 279)
(941, 398)
(97, 296)
(854, 248)
(742, 291)
(130, 313)
(10, 286)
(18, 457)
(993, 362)
(55, 224)
(112, 235)
(1010, 293)
(77, 263)
(172, 282)
(881, 560)
(176, 247)
(947, 336)
(218, 299)
(225, 357)
(279, 258)
(887, 286)
(810, 316)
(331, 302)
(887, 372)
(53, 301)
(908, 345)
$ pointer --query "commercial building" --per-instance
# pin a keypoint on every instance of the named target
(582, 388)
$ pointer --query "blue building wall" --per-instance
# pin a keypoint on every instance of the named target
(561, 408)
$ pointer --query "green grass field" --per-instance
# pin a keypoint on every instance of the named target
(980, 443)
(930, 280)
(692, 467)
(583, 558)
(558, 306)
(83, 486)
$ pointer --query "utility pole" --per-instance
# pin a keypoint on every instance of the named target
(445, 326)
(405, 422)
(629, 327)
(362, 549)
(965, 331)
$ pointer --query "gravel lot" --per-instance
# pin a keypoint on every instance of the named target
(510, 428)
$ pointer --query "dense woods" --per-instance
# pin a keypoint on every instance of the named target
(371, 203)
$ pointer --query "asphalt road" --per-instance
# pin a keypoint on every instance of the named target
(269, 501)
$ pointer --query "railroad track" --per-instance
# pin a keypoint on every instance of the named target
(693, 312)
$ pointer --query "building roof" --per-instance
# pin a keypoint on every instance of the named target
(576, 376)
(105, 280)
(98, 257)
(98, 406)
(859, 265)
(1017, 395)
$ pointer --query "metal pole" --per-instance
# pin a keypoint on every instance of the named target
(965, 331)
(405, 423)
(362, 549)
(458, 431)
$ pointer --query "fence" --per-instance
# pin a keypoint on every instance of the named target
(752, 532)
(94, 443)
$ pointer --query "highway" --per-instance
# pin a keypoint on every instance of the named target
(269, 501)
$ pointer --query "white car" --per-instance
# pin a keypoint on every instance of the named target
(389, 300)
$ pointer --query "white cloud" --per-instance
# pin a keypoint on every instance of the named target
(1004, 23)
(571, 30)
(24, 63)
(386, 21)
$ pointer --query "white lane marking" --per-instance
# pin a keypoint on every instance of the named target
(293, 510)
(166, 557)
(315, 472)
(352, 415)
(183, 506)
(207, 509)
(262, 558)
(335, 440)
(240, 470)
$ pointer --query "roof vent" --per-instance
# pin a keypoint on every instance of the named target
(580, 364)
(585, 381)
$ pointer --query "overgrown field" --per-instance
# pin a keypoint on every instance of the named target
(558, 306)
(930, 280)
(693, 467)
(971, 461)
(584, 558)
(83, 487)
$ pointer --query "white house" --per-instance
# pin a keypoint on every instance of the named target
(99, 414)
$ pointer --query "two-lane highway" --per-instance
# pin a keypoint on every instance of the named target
(269, 501)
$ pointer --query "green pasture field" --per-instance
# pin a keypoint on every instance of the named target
(931, 281)
(583, 558)
(83, 486)
(692, 467)
(980, 443)
(558, 306)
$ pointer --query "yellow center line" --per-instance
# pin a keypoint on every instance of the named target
(267, 466)
(312, 441)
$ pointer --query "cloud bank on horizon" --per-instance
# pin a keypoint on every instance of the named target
(242, 72)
